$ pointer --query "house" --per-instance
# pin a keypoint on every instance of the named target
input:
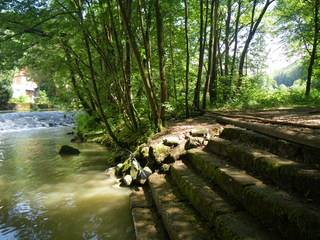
(23, 86)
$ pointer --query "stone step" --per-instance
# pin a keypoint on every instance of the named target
(297, 177)
(227, 220)
(179, 218)
(274, 131)
(293, 218)
(147, 224)
(277, 146)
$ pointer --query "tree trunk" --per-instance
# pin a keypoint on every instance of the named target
(314, 47)
(186, 13)
(235, 46)
(163, 80)
(226, 54)
(253, 28)
(214, 69)
(208, 77)
(202, 42)
(147, 85)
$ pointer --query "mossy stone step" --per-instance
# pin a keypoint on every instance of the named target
(293, 218)
(145, 222)
(277, 146)
(297, 177)
(179, 219)
(287, 134)
(227, 221)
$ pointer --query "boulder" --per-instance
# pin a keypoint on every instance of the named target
(68, 150)
(144, 152)
(127, 180)
(171, 141)
(194, 142)
(202, 132)
(145, 173)
(135, 169)
(118, 169)
(159, 152)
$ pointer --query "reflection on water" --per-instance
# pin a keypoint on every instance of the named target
(45, 196)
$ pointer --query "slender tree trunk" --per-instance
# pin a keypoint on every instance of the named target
(226, 54)
(147, 85)
(186, 13)
(214, 69)
(173, 67)
(253, 28)
(235, 49)
(202, 42)
(208, 76)
(163, 80)
(314, 47)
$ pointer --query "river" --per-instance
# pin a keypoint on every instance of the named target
(46, 196)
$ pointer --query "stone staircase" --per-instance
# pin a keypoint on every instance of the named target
(242, 185)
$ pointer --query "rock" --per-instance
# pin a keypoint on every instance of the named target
(70, 133)
(110, 172)
(145, 173)
(203, 132)
(159, 152)
(171, 141)
(164, 168)
(68, 150)
(194, 142)
(144, 152)
(135, 169)
(118, 169)
(127, 180)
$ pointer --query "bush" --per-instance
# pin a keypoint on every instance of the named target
(19, 100)
(85, 123)
(5, 94)
(252, 97)
(5, 89)
(42, 98)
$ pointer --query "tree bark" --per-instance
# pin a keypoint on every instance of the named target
(186, 13)
(161, 52)
(202, 43)
(235, 49)
(253, 28)
(314, 47)
(147, 85)
(208, 76)
(214, 69)
(226, 53)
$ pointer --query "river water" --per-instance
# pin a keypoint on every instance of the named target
(46, 196)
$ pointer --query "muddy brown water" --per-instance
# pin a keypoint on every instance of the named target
(45, 196)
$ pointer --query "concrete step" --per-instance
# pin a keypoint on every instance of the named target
(275, 131)
(147, 224)
(274, 145)
(227, 220)
(297, 177)
(179, 218)
(293, 218)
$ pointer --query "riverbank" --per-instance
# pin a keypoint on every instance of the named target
(245, 178)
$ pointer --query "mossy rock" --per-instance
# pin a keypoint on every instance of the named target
(159, 153)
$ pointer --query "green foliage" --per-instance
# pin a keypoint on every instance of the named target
(256, 98)
(42, 98)
(5, 89)
(19, 100)
(86, 123)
